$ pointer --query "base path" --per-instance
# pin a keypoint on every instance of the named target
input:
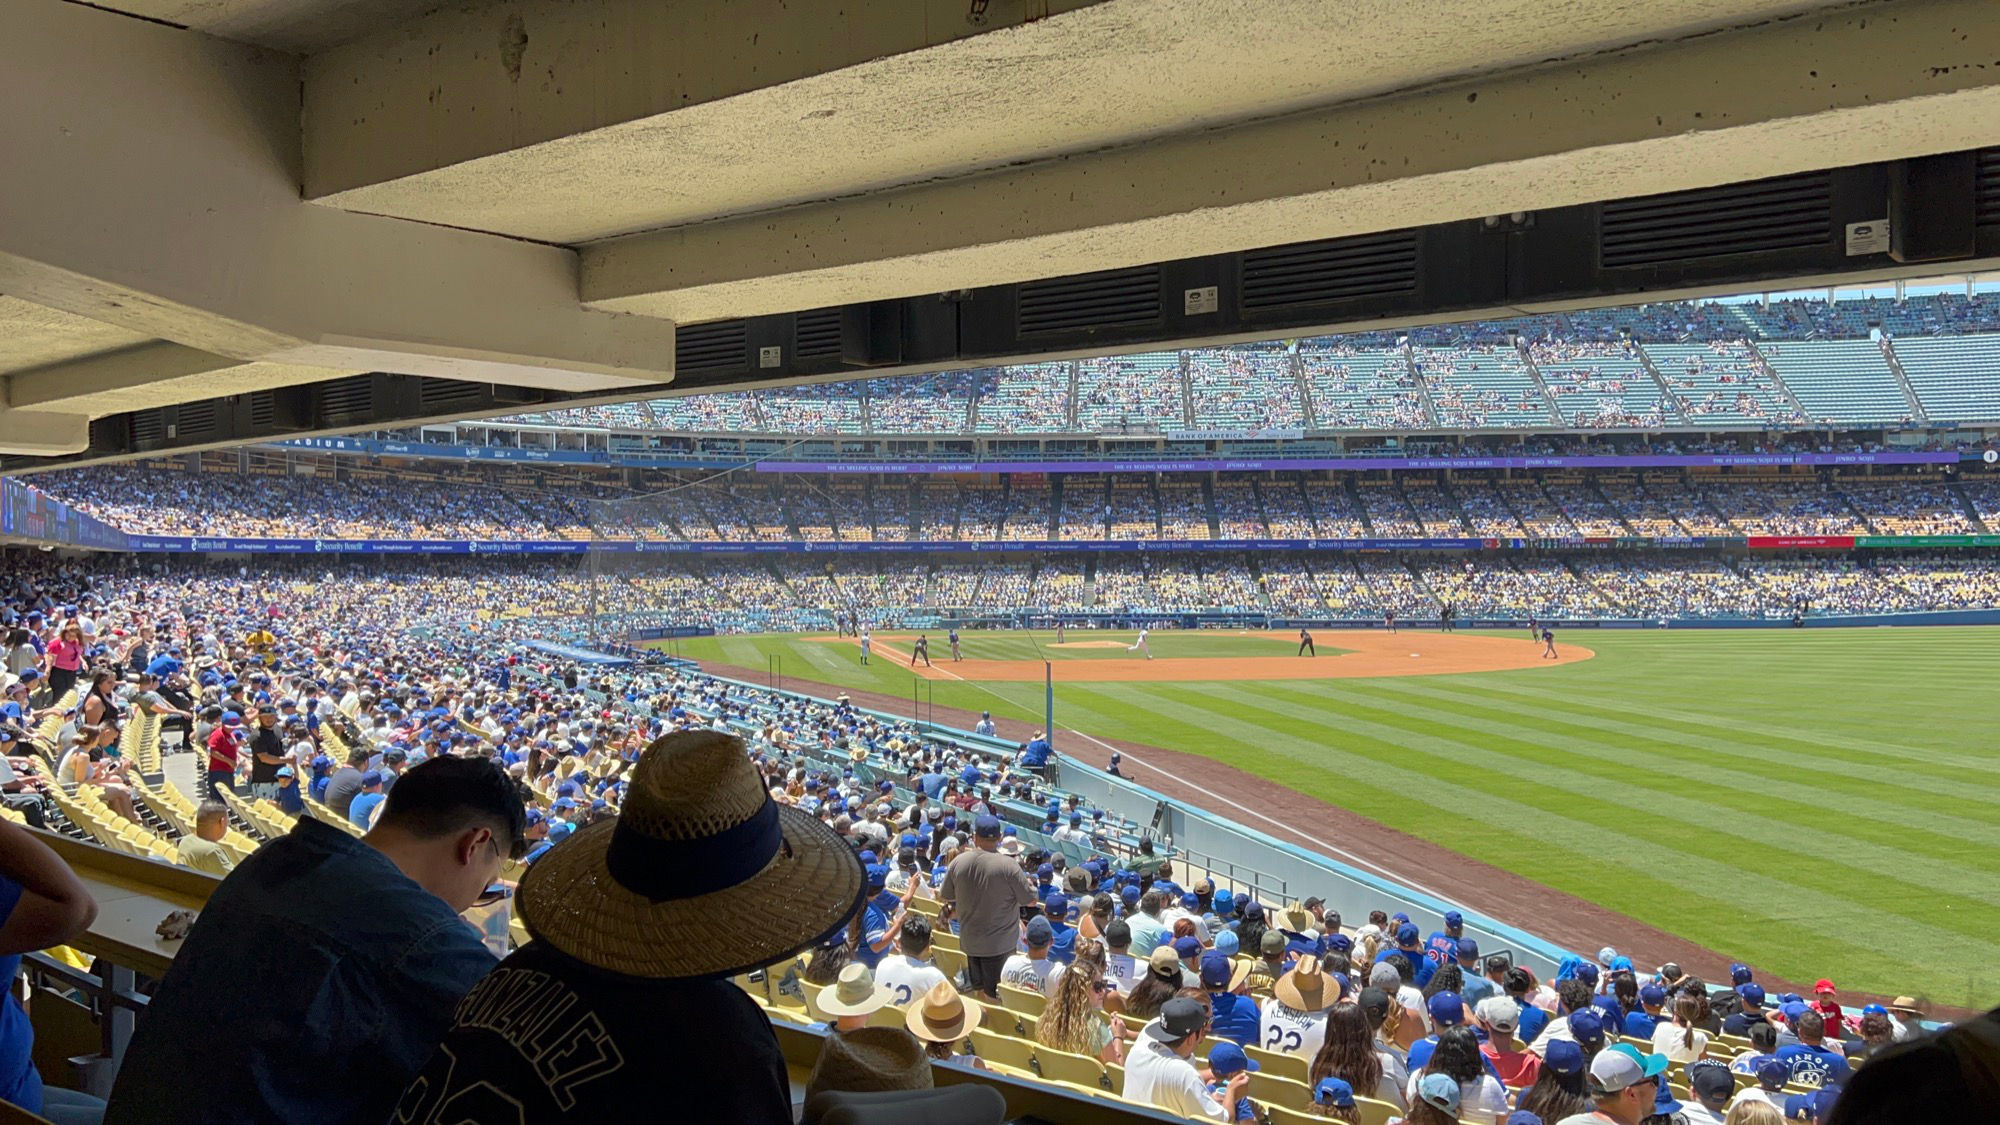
(1564, 919)
(1370, 654)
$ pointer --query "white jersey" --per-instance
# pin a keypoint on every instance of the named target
(907, 977)
(1023, 971)
(1123, 971)
(1288, 1031)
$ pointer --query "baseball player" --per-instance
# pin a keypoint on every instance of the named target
(952, 636)
(1059, 631)
(922, 651)
(1140, 645)
(1306, 642)
(1549, 643)
(866, 640)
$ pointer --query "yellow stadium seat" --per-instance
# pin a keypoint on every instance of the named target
(1294, 1067)
(1004, 1051)
(1270, 1089)
(1077, 1070)
(1022, 1000)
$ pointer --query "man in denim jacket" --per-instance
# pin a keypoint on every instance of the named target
(322, 972)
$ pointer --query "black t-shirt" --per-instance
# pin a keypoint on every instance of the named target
(545, 1038)
(266, 741)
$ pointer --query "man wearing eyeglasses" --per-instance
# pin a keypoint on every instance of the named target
(1624, 1084)
(331, 965)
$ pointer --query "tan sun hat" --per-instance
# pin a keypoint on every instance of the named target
(854, 994)
(702, 875)
(1298, 919)
(870, 1060)
(1306, 988)
(943, 1016)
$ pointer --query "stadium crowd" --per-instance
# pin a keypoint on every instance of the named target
(1594, 365)
(493, 505)
(918, 899)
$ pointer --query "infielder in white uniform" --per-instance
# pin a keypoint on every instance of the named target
(1140, 644)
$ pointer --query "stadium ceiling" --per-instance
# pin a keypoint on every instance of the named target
(229, 220)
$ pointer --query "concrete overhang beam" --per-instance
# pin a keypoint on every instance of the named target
(151, 182)
(1863, 83)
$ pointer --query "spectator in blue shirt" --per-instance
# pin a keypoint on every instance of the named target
(330, 965)
(1035, 755)
(42, 903)
(1813, 1063)
(1640, 1024)
(365, 801)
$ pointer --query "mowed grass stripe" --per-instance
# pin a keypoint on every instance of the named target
(1589, 827)
(1619, 797)
(1733, 768)
(1815, 749)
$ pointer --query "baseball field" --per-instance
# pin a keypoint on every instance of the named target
(1819, 802)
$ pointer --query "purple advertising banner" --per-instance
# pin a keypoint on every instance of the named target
(1259, 465)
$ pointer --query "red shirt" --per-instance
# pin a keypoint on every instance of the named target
(1516, 1068)
(222, 749)
(1830, 1012)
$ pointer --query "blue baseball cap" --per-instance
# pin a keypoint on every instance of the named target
(1225, 901)
(1057, 907)
(1739, 973)
(1186, 947)
(1750, 992)
(1406, 933)
(1811, 1107)
(1453, 919)
(1214, 969)
(878, 876)
(1563, 1056)
(1226, 943)
(371, 779)
(1587, 973)
(1333, 1091)
(1040, 933)
(1130, 894)
(987, 827)
(536, 816)
(1447, 1009)
(1874, 1010)
(1652, 995)
(1773, 1073)
(1587, 1026)
(1399, 917)
(1227, 1059)
(1467, 948)
(560, 831)
(1190, 901)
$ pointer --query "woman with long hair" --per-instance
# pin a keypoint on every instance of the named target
(1457, 1054)
(1681, 1040)
(99, 700)
(1349, 1054)
(1161, 980)
(1559, 1090)
(1073, 1019)
(1447, 978)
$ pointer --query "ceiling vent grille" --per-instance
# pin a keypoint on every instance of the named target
(1109, 299)
(1986, 188)
(194, 420)
(1784, 213)
(435, 394)
(347, 400)
(263, 408)
(718, 344)
(816, 334)
(149, 428)
(1330, 270)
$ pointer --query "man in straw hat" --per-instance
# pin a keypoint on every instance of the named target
(637, 922)
(868, 1061)
(849, 1001)
(329, 964)
(1294, 1022)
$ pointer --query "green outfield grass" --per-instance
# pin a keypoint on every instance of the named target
(1820, 802)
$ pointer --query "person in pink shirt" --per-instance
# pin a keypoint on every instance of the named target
(65, 660)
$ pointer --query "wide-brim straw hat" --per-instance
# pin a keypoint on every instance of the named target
(855, 994)
(942, 1015)
(701, 875)
(870, 1060)
(1306, 988)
